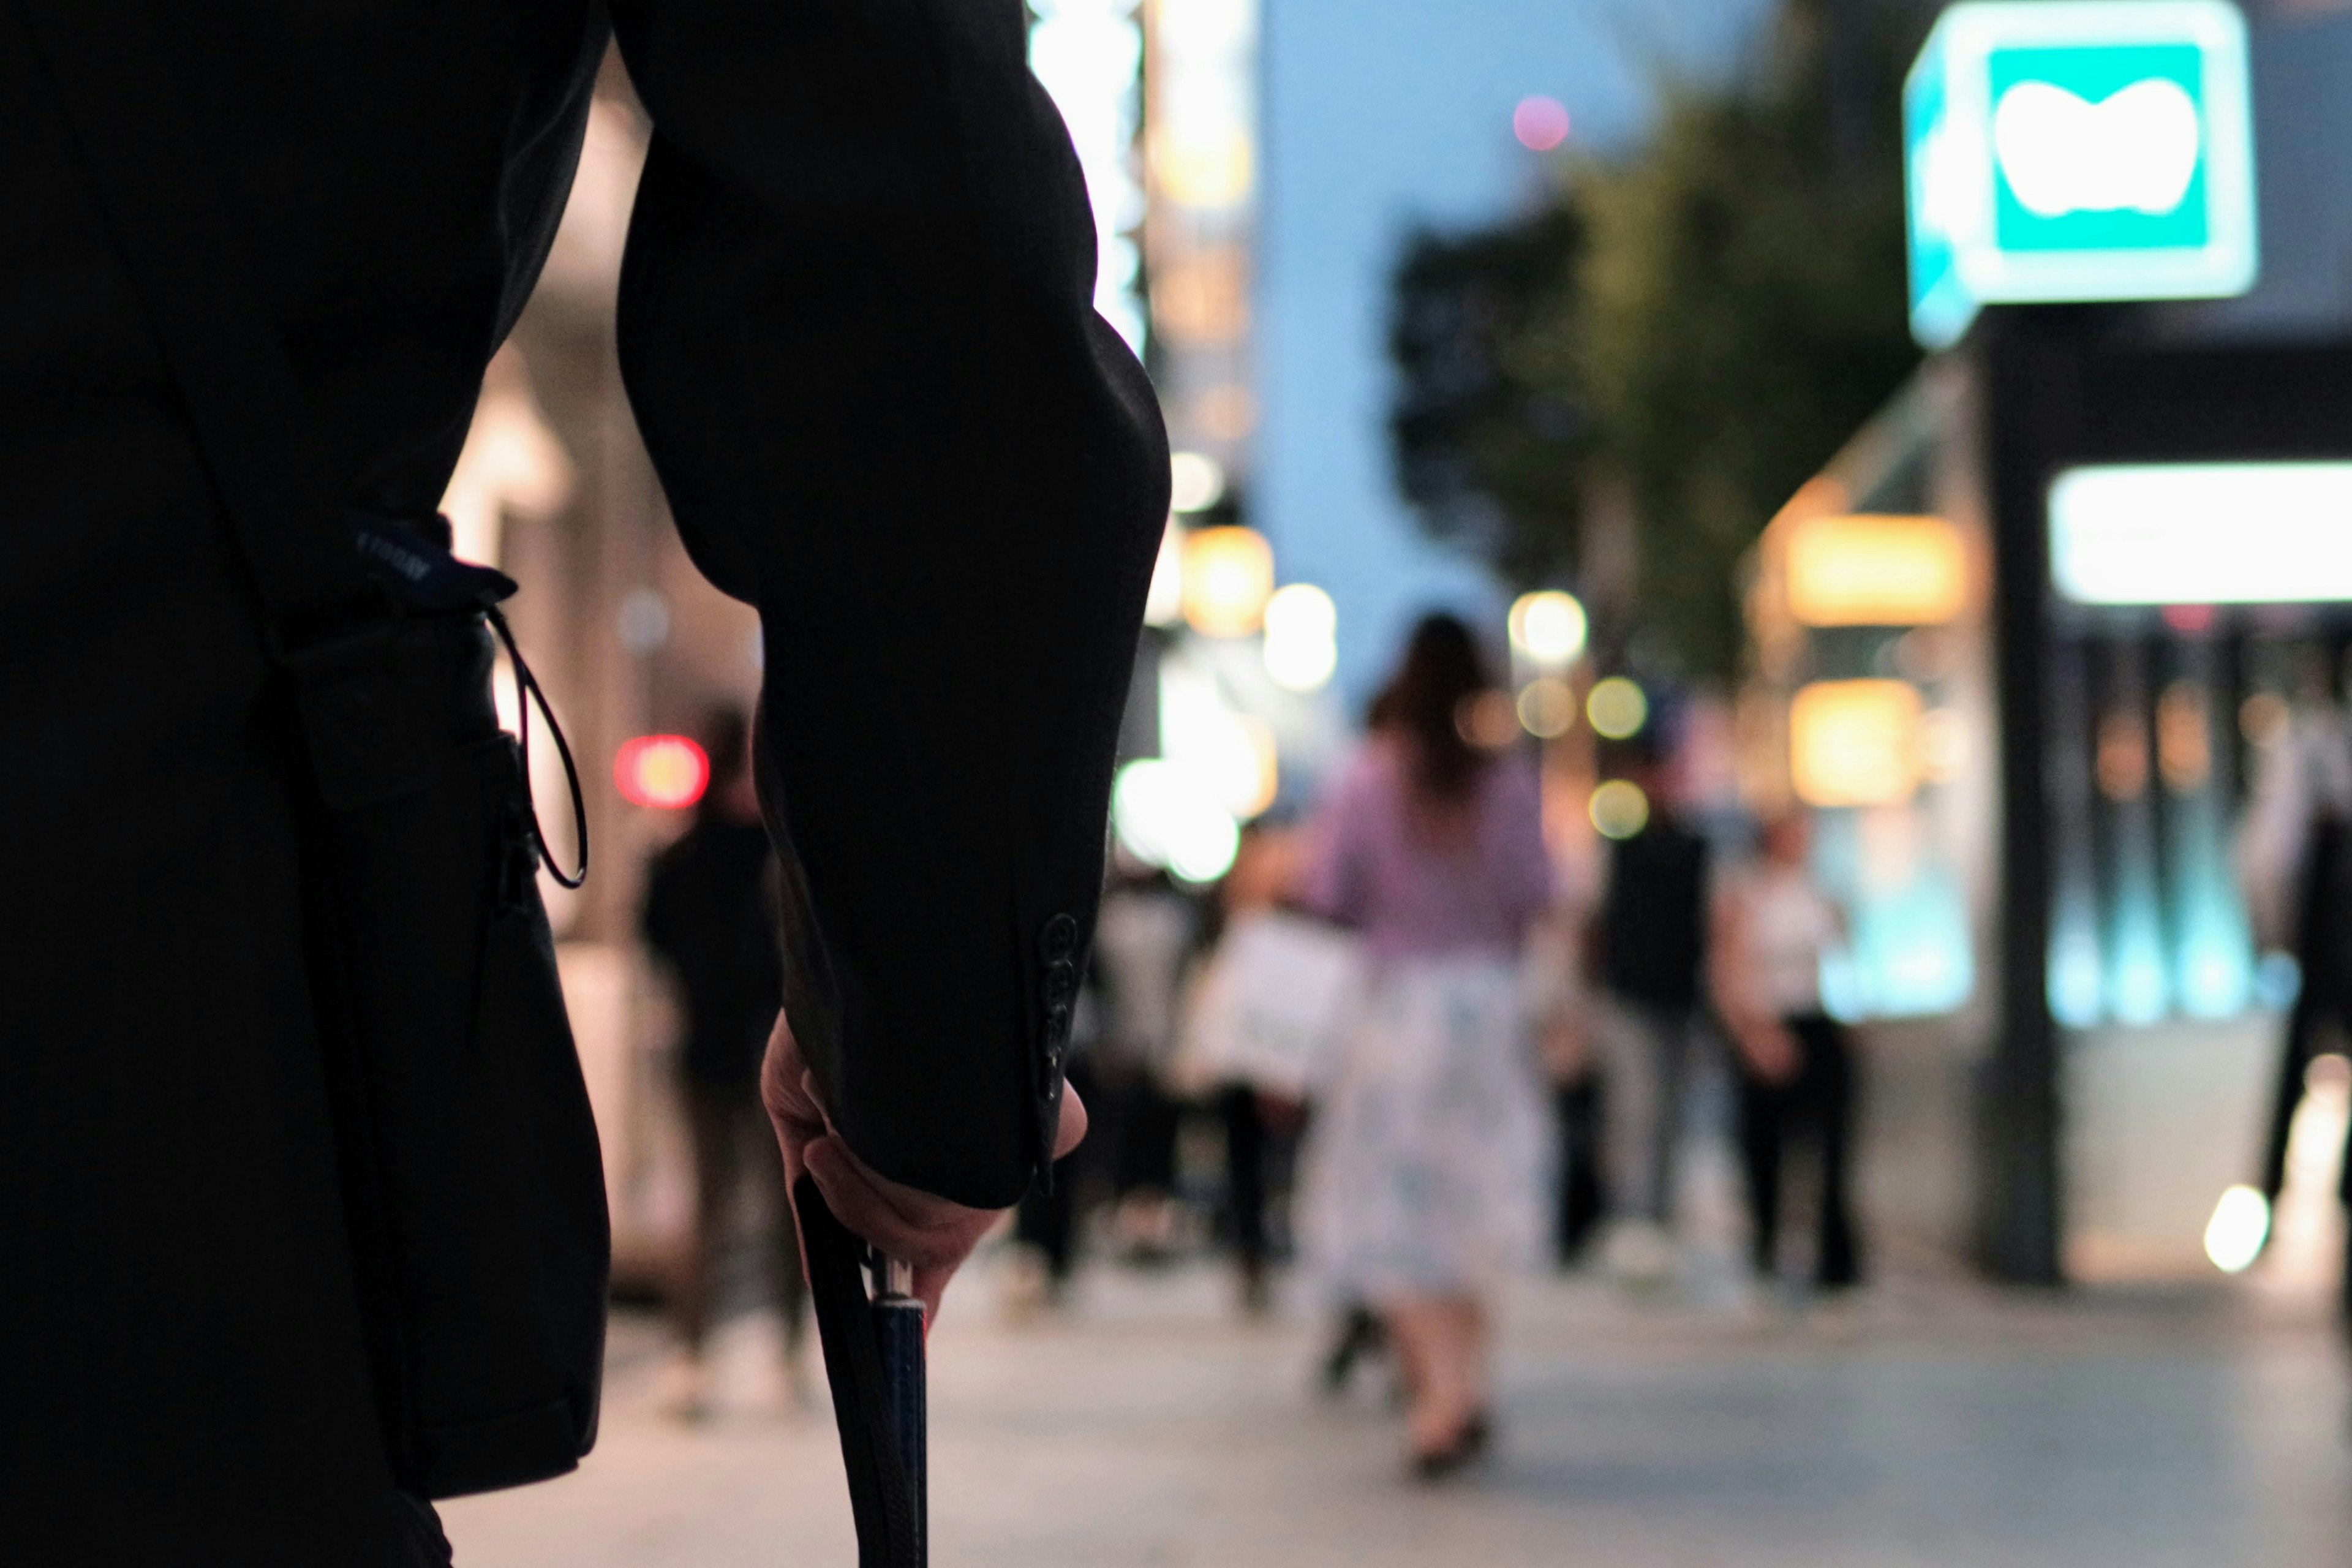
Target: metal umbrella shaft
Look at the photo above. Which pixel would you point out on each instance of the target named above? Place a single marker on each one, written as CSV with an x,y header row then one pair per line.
x,y
899,1336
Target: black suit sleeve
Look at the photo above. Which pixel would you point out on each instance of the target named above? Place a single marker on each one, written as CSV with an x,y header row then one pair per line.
x,y
857,331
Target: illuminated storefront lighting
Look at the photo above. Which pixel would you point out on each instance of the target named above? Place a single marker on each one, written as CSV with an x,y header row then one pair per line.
x,y
1854,742
2078,150
1202,153
1872,571
1088,55
2203,533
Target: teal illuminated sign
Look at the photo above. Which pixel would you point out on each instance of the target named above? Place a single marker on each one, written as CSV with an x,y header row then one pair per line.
x,y
2076,150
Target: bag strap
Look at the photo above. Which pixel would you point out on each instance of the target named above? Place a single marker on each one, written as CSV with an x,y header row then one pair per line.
x,y
162,202
881,1496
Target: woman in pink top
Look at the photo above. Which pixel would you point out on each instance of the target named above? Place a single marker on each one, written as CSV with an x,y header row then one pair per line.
x,y
1427,1166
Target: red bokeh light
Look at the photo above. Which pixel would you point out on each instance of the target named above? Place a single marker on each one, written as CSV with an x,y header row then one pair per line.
x,y
2191,619
1540,124
668,773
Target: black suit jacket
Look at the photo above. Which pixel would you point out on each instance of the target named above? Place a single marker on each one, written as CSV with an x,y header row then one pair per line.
x,y
855,328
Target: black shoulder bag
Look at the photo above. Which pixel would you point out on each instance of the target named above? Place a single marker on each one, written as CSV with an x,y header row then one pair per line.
x,y
472,1180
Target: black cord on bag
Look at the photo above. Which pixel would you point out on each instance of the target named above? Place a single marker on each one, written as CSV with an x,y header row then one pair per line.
x,y
527,691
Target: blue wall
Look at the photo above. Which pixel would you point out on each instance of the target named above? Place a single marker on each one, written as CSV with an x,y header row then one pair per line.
x,y
1378,113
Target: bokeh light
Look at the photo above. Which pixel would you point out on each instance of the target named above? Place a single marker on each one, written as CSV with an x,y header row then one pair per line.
x,y
2240,1224
643,620
1539,122
1196,481
1487,720
1163,606
1228,577
2265,719
668,772
1619,809
1617,708
1549,628
1164,817
1227,755
1547,706
1943,743
1302,646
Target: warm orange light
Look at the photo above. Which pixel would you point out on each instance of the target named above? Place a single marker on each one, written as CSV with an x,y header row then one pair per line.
x,y
1872,570
1854,742
666,771
1228,577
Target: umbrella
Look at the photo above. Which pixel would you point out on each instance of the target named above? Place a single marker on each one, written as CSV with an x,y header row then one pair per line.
x,y
873,1342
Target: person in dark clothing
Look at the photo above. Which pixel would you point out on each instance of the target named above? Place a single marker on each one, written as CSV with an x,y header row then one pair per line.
x,y
1580,1198
1241,1111
1817,1099
2322,1013
1250,1107
1649,940
1149,932
1797,1074
857,327
709,916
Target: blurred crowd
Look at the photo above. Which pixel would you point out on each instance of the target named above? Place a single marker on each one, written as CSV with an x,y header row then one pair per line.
x,y
1406,1045
1403,1045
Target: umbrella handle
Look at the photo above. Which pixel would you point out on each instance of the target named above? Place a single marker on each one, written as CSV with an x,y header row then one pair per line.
x,y
899,1336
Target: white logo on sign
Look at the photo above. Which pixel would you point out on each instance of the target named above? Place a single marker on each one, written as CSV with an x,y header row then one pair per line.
x,y
2134,151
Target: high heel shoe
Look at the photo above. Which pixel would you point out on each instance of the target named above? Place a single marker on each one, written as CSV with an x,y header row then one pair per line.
x,y
1471,1440
1432,1465
1359,1336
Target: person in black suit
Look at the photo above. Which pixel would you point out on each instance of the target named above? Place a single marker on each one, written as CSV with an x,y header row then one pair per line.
x,y
856,329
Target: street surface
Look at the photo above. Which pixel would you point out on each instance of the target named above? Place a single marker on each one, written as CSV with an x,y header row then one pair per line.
x,y
1939,1423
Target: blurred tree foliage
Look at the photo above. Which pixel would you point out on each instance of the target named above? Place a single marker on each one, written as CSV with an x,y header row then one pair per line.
x,y
1696,327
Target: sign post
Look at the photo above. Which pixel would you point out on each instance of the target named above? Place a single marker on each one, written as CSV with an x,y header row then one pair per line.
x,y
2077,150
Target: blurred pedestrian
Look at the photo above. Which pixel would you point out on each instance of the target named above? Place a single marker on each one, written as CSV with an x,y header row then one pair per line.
x,y
1650,942
1564,1027
1261,1010
1426,1160
1145,941
709,916
1773,927
2295,855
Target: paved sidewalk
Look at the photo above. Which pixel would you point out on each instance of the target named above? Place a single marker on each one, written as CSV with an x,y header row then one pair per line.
x,y
1938,1425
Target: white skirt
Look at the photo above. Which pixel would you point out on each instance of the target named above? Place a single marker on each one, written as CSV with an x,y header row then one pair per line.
x,y
1432,1152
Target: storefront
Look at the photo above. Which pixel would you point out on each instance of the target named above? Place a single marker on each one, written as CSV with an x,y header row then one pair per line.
x,y
2029,647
